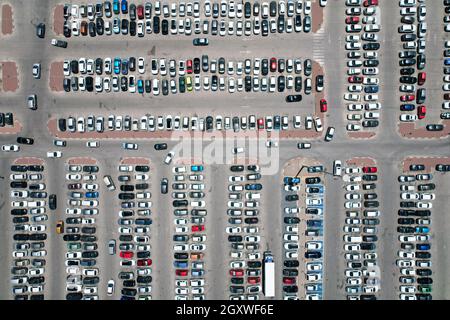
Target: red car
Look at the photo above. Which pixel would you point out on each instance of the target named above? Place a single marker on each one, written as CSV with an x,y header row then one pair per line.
x,y
355,79
407,97
140,12
421,112
368,3
144,262
261,124
351,20
323,105
126,254
422,77
189,66
370,169
182,273
198,228
253,280
237,272
273,65
288,280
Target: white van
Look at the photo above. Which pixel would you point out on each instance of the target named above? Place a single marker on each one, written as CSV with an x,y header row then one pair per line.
x,y
352,239
371,213
251,196
109,183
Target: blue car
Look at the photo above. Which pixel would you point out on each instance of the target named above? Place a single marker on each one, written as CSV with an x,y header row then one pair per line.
x,y
254,186
140,86
371,89
92,194
116,7
447,62
196,168
314,223
117,64
125,67
180,264
124,6
407,107
422,229
197,272
423,246
291,180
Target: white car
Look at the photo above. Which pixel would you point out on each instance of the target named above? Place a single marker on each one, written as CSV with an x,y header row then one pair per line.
x,y
10,147
54,154
169,157
141,65
92,144
129,146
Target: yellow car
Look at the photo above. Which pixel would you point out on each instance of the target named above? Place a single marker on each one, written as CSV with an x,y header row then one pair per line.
x,y
60,227
189,83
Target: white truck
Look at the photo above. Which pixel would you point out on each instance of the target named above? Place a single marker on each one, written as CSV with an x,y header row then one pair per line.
x,y
269,274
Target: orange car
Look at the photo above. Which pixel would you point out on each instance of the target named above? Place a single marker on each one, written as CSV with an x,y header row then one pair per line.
x,y
60,227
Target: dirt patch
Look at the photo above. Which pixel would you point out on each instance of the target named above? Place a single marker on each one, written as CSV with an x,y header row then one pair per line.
x,y
317,16
56,76
409,131
58,20
361,162
7,20
428,162
10,80
135,161
15,129
82,160
29,161
361,134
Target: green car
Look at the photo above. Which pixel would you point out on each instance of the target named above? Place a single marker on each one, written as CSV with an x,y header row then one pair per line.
x,y
425,289
74,245
182,84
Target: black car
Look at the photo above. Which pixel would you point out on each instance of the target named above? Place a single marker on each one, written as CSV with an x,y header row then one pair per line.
x,y
442,167
434,127
290,289
369,177
313,254
368,246
292,197
36,168
407,71
52,202
406,229
234,238
90,169
312,180
40,30
371,46
290,272
294,98
370,123
23,140
405,221
100,26
280,24
281,83
133,27
67,84
156,24
165,27
126,196
417,167
291,220
74,296
291,263
424,272
141,186
237,168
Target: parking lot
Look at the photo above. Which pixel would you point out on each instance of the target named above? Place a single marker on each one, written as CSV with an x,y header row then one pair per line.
x,y
133,221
